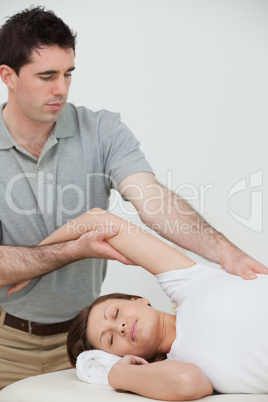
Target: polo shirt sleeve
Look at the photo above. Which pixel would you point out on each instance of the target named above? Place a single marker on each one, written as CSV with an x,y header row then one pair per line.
x,y
120,150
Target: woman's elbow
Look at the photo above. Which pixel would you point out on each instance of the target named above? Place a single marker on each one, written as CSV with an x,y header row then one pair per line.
x,y
193,384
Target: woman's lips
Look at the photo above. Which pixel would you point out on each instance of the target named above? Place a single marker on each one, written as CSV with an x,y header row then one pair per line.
x,y
133,330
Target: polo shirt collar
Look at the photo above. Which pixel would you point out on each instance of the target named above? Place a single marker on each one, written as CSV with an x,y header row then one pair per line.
x,y
65,125
63,128
6,141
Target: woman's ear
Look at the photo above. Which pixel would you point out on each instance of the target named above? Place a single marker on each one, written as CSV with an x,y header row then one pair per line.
x,y
141,300
7,75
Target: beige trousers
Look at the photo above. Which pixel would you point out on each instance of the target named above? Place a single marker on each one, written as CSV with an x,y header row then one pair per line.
x,y
23,355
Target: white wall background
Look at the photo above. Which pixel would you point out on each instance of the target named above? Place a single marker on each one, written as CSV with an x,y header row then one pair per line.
x,y
189,77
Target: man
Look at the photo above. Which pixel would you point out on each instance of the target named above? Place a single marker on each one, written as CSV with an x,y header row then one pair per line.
x,y
57,161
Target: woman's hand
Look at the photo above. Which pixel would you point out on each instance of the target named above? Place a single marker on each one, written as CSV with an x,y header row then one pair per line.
x,y
17,287
130,359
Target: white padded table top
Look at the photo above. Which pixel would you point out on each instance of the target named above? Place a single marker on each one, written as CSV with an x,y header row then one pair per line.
x,y
64,386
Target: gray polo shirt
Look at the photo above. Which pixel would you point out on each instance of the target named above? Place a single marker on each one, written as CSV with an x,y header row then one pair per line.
x,y
87,154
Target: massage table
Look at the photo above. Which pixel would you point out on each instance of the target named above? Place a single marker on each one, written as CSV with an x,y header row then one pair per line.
x,y
64,386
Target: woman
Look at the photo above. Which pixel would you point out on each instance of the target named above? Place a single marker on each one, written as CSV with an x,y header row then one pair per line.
x,y
218,338
127,326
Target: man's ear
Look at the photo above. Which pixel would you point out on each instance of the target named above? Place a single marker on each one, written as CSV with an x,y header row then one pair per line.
x,y
141,300
7,75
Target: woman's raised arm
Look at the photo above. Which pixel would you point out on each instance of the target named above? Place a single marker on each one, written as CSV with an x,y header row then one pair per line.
x,y
135,243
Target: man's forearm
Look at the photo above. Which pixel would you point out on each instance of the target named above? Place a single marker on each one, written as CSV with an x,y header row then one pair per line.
x,y
19,264
172,217
180,223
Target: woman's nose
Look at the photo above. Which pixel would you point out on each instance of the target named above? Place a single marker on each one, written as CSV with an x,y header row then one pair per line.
x,y
122,328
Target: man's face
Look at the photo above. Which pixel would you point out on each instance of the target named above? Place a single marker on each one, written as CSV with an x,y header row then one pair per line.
x,y
41,88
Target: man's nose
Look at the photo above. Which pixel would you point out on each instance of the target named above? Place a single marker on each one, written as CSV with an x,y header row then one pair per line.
x,y
60,87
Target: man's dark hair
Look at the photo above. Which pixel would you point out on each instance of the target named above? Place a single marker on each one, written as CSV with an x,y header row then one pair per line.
x,y
31,29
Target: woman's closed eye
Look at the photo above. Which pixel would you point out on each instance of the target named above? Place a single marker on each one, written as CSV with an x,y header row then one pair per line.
x,y
112,337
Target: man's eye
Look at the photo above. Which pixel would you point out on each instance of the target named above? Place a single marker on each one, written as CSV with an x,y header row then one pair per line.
x,y
112,339
116,314
46,78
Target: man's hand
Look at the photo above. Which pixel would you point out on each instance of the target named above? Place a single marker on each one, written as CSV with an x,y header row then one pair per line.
x,y
90,245
239,263
94,245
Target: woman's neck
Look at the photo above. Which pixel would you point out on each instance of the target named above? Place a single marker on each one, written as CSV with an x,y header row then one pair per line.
x,y
169,334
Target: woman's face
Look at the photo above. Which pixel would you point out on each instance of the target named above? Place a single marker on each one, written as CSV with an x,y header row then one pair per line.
x,y
125,327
